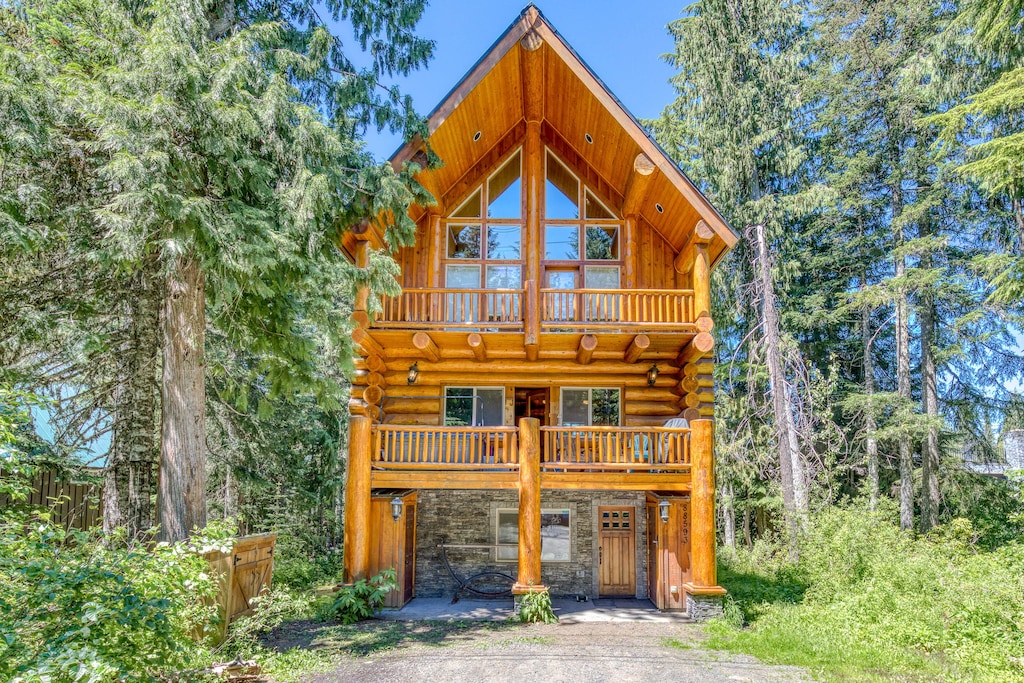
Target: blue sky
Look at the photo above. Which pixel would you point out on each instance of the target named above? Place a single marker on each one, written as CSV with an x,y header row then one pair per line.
x,y
622,43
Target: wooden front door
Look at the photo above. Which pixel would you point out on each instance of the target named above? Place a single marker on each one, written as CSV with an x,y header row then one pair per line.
x,y
616,551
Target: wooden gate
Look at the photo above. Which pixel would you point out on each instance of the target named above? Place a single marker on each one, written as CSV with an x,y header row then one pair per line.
x,y
616,551
243,574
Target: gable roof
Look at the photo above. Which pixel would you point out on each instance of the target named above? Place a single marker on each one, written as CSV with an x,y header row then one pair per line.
x,y
483,118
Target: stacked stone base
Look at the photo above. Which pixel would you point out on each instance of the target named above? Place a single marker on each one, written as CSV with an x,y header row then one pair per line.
x,y
704,607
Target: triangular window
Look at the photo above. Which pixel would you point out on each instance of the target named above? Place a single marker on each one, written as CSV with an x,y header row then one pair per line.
x,y
561,191
504,191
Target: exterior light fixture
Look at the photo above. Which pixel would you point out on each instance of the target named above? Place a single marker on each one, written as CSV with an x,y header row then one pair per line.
x,y
414,373
396,508
663,507
652,375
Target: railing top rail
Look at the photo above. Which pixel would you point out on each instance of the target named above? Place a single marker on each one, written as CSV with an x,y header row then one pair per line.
x,y
429,428
625,430
456,290
685,292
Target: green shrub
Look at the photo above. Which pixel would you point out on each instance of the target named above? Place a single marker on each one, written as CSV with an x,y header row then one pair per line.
x,y
869,602
536,607
360,600
75,606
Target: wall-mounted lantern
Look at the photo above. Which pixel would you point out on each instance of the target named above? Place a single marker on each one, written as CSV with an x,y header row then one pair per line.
x,y
652,375
663,507
414,373
396,508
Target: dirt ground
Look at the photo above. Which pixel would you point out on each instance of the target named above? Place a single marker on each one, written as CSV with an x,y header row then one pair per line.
x,y
457,652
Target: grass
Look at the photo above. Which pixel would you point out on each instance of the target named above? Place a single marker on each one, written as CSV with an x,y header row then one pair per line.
x,y
868,603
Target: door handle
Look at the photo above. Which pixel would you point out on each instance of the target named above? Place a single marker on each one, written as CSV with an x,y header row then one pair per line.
x,y
600,555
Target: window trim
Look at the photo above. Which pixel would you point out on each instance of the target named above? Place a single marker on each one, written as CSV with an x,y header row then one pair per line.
x,y
590,402
475,388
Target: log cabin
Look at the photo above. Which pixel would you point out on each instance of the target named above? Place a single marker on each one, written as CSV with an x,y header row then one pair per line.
x,y
538,401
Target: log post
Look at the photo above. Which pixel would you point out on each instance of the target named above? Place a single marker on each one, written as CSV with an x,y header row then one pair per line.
x,y
532,323
357,499
702,535
701,282
362,257
529,507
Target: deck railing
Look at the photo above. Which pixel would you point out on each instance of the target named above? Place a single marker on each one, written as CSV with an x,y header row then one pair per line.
x,y
440,448
615,448
448,308
633,449
595,308
559,309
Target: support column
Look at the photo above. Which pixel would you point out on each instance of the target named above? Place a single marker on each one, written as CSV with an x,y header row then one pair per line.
x,y
701,282
362,258
529,507
357,500
702,518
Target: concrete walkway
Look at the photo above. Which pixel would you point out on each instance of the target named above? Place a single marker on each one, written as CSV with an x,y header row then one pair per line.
x,y
568,611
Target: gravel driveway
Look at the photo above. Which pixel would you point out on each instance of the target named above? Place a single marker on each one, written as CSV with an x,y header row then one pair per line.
x,y
458,652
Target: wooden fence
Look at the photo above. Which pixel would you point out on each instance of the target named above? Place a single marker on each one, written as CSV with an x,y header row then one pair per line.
x,y
75,504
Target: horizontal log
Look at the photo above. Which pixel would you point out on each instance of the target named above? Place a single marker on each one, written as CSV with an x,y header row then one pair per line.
x,y
691,400
528,379
426,345
698,368
417,406
636,348
705,323
376,364
696,348
418,390
375,379
476,344
651,408
360,407
508,365
691,414
585,353
646,393
412,419
367,343
688,385
373,395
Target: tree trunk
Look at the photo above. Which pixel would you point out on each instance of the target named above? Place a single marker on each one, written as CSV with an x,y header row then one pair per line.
x,y
747,538
794,488
729,514
903,370
129,478
929,403
870,425
182,497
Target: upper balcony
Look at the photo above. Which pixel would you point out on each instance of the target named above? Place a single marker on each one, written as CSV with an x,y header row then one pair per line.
x,y
555,310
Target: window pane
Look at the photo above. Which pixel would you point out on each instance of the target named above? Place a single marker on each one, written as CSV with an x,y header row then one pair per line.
x,y
602,277
490,407
561,191
594,208
503,242
606,406
561,243
575,408
504,277
603,242
470,208
504,191
458,407
463,241
508,533
461,306
463,277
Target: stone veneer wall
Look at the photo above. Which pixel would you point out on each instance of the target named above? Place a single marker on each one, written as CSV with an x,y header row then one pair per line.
x,y
469,517
704,607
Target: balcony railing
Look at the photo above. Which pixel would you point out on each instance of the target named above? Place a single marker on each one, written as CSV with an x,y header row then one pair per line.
x,y
559,310
615,448
445,448
453,308
621,449
616,308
